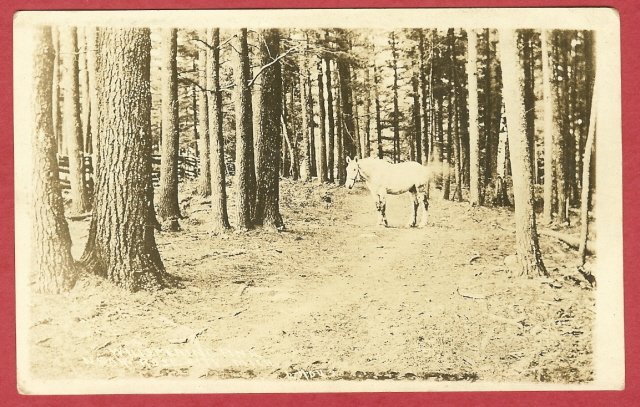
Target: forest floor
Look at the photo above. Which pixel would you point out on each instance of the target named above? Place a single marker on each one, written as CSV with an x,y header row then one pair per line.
x,y
333,297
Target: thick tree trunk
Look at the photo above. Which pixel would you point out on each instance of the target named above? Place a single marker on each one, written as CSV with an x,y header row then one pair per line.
x,y
322,157
561,116
474,134
350,142
51,262
168,208
219,216
330,121
203,130
121,245
72,124
453,110
269,142
245,171
527,247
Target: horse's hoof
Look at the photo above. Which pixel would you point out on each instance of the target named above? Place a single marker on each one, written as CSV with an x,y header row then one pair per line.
x,y
412,225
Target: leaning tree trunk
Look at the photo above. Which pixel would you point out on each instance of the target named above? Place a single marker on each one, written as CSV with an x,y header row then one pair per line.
x,y
474,136
322,157
51,261
219,215
269,142
71,122
121,245
527,247
168,207
245,171
204,189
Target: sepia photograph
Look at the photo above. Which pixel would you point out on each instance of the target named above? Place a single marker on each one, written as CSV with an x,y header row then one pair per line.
x,y
318,200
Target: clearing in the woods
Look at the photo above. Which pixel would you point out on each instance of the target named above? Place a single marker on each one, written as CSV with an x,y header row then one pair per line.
x,y
333,297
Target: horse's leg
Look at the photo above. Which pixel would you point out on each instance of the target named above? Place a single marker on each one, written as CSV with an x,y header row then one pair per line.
x,y
425,208
414,201
383,207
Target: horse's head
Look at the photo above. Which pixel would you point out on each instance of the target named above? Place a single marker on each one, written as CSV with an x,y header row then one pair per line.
x,y
353,171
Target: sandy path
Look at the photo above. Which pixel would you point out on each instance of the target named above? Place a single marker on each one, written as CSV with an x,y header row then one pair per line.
x,y
365,307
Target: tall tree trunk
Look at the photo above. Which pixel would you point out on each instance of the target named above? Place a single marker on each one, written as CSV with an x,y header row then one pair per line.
x,y
562,113
457,150
550,126
268,144
340,138
330,120
396,109
219,215
349,140
72,125
425,119
586,166
322,157
312,136
474,134
52,261
378,108
417,123
203,131
367,104
90,33
56,95
168,208
121,245
245,171
305,159
527,247
83,76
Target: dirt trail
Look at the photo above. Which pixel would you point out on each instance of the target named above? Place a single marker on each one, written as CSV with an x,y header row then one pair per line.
x,y
335,297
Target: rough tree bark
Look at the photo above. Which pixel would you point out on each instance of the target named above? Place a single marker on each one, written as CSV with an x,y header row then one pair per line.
x,y
474,135
204,132
367,104
71,120
340,136
245,171
52,263
425,119
269,142
528,251
121,245
219,215
168,207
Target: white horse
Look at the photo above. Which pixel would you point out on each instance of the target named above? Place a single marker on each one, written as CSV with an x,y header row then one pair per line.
x,y
383,177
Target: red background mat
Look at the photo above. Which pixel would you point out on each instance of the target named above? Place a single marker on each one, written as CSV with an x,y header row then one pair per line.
x,y
630,35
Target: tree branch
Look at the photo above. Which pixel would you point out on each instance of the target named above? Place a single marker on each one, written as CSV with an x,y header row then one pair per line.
x,y
278,58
